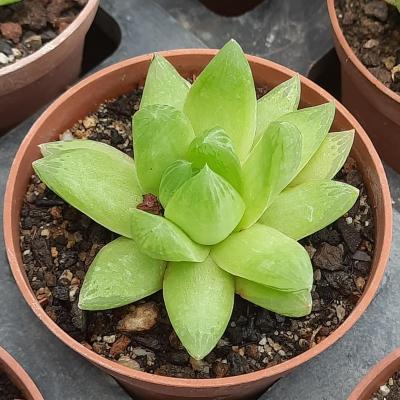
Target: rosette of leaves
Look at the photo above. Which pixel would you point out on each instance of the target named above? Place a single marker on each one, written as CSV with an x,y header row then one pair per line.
x,y
240,181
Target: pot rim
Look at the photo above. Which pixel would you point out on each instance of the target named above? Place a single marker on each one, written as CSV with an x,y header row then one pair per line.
x,y
129,373
18,375
352,56
53,44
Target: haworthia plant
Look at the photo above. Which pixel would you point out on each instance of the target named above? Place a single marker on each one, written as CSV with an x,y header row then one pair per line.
x,y
239,182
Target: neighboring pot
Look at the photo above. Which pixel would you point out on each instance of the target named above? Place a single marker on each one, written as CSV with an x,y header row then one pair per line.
x,y
231,8
84,98
376,377
375,106
34,80
18,376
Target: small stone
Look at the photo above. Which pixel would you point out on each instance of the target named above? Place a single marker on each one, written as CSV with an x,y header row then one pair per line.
x,y
89,122
389,62
263,341
4,59
45,233
109,339
349,220
385,390
340,312
142,318
369,44
119,345
377,9
16,53
73,292
220,369
360,283
66,277
99,347
11,31
33,42
317,275
391,382
7,49
329,257
128,362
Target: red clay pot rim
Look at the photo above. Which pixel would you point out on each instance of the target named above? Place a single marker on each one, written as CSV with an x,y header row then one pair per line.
x,y
11,367
352,56
373,374
210,382
50,46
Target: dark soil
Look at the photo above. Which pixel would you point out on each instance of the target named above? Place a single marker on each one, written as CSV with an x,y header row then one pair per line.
x,y
372,29
7,389
59,243
390,390
28,25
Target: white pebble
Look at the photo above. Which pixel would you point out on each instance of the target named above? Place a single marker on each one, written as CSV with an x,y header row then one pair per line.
x,y
349,220
3,59
384,390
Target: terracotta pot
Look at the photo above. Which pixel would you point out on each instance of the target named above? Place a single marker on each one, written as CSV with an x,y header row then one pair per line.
x,y
231,8
375,106
376,377
85,97
18,376
33,81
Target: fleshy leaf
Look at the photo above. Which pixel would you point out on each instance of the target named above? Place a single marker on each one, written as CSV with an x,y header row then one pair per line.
x,y
302,210
271,165
328,159
173,178
223,95
199,300
281,100
215,148
101,184
159,238
314,124
264,255
206,207
120,274
291,304
161,135
164,85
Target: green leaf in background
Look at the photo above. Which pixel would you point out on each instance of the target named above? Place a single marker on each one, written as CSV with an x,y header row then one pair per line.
x,y
215,148
314,124
120,274
159,238
264,255
281,100
161,135
6,2
395,3
271,165
328,159
224,95
101,184
173,178
291,304
164,85
199,300
206,207
302,210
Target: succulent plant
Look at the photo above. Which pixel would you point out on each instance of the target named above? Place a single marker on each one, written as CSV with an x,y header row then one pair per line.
x,y
239,181
7,2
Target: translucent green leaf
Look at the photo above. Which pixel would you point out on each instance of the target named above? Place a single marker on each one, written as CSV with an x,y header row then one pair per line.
x,y
328,159
302,210
395,3
281,100
223,95
264,255
101,184
199,300
164,85
215,148
206,207
173,178
161,135
159,238
5,2
120,274
271,165
314,124
291,304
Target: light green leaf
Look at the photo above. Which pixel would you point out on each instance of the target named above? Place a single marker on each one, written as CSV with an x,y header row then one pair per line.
x,y
173,178
302,210
206,207
103,185
159,238
395,3
6,2
120,274
161,135
215,148
271,165
164,85
264,255
290,304
328,159
314,124
281,100
223,95
199,300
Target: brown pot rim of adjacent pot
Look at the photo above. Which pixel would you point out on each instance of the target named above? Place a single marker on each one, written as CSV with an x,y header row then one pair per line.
x,y
18,376
53,44
352,56
377,376
277,370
